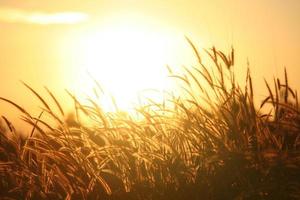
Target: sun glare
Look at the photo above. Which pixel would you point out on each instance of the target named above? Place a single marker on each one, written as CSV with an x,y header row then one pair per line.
x,y
127,61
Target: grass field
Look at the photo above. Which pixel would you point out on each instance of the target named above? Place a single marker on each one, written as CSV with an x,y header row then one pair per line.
x,y
214,142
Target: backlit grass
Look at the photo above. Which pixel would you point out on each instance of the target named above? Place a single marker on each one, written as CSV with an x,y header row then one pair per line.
x,y
213,142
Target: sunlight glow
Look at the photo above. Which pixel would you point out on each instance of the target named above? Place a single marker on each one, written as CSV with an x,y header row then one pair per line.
x,y
127,60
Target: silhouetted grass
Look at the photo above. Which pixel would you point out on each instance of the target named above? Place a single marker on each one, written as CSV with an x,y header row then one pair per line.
x,y
213,142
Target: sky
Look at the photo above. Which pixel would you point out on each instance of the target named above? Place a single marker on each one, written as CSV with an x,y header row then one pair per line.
x,y
44,43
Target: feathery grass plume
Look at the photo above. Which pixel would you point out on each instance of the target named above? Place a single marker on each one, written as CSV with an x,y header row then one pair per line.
x,y
211,143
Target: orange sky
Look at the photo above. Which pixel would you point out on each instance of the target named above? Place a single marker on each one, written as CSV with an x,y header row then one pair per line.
x,y
39,41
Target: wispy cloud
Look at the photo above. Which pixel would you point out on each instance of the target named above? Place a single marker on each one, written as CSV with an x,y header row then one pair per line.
x,y
12,15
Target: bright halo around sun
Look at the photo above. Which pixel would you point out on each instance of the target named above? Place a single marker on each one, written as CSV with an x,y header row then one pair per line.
x,y
129,62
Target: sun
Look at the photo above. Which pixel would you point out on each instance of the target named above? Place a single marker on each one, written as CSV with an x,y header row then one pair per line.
x,y
127,60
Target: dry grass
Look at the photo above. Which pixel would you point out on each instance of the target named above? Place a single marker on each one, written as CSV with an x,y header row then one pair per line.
x,y
215,143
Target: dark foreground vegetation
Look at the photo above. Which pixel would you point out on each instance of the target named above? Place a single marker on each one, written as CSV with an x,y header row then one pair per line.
x,y
214,142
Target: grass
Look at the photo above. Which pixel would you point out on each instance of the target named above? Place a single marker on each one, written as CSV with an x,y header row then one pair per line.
x,y
213,142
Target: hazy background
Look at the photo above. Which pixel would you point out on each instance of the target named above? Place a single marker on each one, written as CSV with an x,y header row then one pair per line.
x,y
41,52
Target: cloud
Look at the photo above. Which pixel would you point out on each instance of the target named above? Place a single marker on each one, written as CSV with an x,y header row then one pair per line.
x,y
11,15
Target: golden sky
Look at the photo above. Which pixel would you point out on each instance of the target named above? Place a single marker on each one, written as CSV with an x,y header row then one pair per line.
x,y
49,43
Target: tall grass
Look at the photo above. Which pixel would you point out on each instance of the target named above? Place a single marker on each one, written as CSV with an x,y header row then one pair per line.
x,y
214,142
